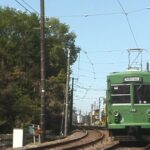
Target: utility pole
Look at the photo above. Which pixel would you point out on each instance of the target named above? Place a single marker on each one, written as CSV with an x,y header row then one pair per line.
x,y
91,121
67,94
42,34
71,103
99,106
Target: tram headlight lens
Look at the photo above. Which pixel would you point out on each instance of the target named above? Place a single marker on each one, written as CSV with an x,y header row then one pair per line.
x,y
116,113
117,116
148,113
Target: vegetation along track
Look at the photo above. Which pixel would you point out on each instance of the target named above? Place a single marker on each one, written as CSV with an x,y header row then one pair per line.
x,y
79,139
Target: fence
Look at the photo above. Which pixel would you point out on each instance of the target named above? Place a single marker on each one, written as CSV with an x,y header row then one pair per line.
x,y
6,140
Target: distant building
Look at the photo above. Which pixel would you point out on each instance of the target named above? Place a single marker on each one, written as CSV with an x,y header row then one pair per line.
x,y
98,113
80,119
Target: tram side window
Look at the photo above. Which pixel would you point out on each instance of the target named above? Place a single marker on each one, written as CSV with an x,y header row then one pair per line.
x,y
120,93
142,94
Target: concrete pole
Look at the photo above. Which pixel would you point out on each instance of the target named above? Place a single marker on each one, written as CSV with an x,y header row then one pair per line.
x,y
42,33
67,95
71,104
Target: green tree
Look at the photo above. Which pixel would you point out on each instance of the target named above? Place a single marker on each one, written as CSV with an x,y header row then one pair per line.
x,y
58,41
20,68
19,65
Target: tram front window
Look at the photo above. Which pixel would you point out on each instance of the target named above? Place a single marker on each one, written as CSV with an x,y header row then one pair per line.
x,y
120,93
142,94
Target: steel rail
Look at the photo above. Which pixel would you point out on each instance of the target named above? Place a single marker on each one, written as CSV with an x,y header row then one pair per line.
x,y
86,139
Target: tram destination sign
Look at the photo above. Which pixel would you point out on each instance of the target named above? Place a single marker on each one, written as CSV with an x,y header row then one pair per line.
x,y
132,79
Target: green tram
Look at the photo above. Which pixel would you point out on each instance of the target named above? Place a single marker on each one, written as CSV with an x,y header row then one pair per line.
x,y
128,105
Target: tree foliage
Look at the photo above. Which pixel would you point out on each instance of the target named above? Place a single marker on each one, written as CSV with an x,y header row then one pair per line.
x,y
20,68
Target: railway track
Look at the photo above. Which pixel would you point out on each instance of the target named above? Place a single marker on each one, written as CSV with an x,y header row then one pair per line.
x,y
78,140
129,146
88,140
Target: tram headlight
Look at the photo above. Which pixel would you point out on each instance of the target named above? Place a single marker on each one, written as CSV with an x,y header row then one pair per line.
x,y
117,116
148,113
116,113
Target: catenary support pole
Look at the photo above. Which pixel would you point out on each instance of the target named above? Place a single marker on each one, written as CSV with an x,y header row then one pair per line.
x,y
67,94
42,34
71,104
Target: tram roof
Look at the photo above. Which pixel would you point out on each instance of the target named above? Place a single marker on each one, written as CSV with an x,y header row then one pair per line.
x,y
130,72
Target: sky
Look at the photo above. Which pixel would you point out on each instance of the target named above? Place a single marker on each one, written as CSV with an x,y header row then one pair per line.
x,y
105,30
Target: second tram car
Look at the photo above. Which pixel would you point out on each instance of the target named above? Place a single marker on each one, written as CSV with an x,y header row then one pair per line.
x,y
128,105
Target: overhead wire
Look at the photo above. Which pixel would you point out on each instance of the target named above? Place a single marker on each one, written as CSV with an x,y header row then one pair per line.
x,y
82,87
90,63
86,76
100,14
92,15
113,51
126,15
23,6
93,72
30,7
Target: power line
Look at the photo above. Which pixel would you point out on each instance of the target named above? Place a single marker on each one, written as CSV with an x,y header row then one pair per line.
x,y
92,15
101,14
93,72
106,51
126,15
104,63
85,88
85,76
83,70
90,63
23,6
30,7
112,51
110,63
